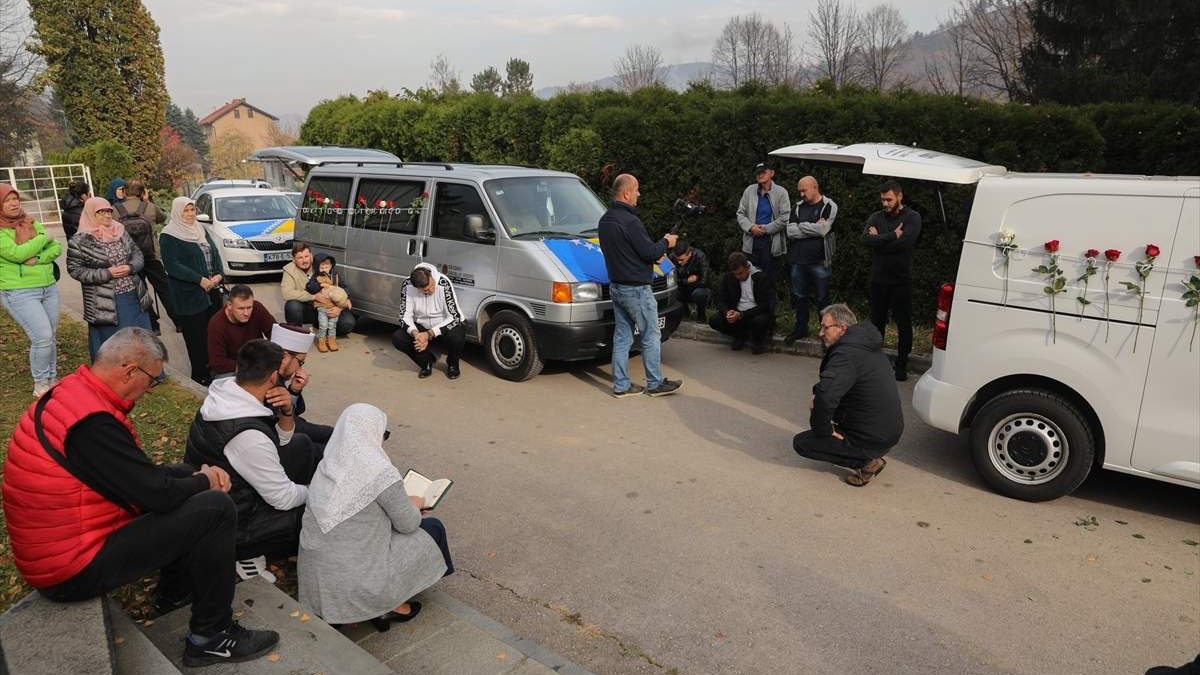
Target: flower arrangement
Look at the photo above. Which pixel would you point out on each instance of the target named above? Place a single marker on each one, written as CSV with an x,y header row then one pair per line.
x,y
1006,242
1143,268
1056,283
1110,257
1089,271
1191,295
417,205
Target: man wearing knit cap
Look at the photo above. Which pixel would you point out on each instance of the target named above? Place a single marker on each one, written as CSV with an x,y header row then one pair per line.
x,y
296,341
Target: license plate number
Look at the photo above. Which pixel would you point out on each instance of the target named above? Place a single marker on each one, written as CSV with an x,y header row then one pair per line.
x,y
276,257
662,323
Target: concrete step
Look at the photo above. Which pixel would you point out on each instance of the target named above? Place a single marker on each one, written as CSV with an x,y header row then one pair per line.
x,y
135,654
305,646
40,637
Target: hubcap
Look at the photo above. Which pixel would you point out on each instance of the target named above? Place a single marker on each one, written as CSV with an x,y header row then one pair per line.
x,y
507,347
1028,448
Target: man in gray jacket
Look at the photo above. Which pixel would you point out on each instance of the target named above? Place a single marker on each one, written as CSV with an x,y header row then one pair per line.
x,y
763,215
810,253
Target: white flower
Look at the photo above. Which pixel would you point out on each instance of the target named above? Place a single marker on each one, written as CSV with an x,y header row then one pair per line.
x,y
1006,237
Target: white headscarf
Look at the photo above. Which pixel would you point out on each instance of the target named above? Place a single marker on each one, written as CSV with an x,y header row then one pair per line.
x,y
355,469
177,228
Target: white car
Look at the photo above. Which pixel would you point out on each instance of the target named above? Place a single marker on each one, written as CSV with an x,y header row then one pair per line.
x,y
252,227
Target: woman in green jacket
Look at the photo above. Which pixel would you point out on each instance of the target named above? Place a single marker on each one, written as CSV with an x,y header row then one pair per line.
x,y
27,284
194,274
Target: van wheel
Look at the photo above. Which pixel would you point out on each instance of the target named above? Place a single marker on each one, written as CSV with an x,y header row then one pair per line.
x,y
1032,445
511,349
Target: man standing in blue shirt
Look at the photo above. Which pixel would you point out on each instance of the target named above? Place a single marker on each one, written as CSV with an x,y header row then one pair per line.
x,y
629,256
763,215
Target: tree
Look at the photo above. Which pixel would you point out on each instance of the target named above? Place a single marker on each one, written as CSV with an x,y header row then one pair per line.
x,y
281,134
639,67
999,31
17,67
227,156
752,49
837,33
951,71
487,80
884,32
176,162
106,65
518,79
443,78
185,123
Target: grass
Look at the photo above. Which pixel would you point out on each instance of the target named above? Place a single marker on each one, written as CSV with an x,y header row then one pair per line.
x,y
922,335
161,418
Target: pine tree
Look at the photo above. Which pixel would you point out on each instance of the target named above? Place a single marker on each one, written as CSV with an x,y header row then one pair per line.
x,y
518,79
487,80
106,64
188,126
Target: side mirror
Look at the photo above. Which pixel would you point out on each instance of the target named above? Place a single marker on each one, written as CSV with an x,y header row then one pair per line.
x,y
204,217
474,228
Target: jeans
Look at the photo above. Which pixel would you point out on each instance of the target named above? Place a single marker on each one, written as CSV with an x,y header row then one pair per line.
x,y
635,305
129,315
760,255
809,280
300,313
325,328
36,311
896,299
832,450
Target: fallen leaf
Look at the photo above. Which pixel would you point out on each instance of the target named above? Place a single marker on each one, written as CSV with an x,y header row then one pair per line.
x,y
921,523
1091,558
295,613
1139,536
272,657
118,640
987,577
1122,522
1189,542
305,617
491,554
1188,572
1028,541
718,635
1029,598
501,656
239,613
148,622
1145,581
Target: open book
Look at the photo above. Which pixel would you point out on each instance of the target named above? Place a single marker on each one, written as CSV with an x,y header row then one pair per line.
x,y
417,485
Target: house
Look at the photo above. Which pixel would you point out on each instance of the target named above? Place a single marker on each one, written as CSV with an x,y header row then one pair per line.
x,y
257,125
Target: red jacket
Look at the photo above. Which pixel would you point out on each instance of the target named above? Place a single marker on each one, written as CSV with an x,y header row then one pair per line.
x,y
56,524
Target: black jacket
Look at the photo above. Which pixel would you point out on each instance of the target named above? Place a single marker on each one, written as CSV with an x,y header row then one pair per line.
x,y
72,208
314,285
697,264
731,292
857,391
629,253
891,257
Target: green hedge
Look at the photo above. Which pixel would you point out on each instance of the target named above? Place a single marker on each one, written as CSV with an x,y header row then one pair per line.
x,y
713,138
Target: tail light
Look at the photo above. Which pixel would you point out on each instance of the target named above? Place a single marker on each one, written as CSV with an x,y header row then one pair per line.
x,y
941,323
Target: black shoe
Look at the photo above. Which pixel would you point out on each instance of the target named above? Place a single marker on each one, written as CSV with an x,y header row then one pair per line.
x,y
738,344
426,371
758,349
701,317
795,335
384,623
232,645
665,388
164,606
453,372
633,390
901,375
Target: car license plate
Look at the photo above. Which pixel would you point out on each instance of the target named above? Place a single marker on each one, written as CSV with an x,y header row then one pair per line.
x,y
276,257
662,323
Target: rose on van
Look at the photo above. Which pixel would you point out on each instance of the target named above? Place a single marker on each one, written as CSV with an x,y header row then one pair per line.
x,y
1110,257
1143,268
1089,271
1051,246
1152,250
1191,297
1056,284
1112,254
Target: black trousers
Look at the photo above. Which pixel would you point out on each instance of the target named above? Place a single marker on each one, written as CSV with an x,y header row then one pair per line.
x,y
269,531
756,323
156,275
192,546
453,341
195,337
894,299
434,528
833,450
300,313
694,295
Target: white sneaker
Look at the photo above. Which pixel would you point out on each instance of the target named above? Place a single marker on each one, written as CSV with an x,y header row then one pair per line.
x,y
40,388
254,567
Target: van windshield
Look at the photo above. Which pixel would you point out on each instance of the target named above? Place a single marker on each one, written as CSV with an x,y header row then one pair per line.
x,y
545,206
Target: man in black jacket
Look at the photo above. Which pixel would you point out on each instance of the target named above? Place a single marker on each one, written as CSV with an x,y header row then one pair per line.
x,y
856,416
691,268
891,234
746,305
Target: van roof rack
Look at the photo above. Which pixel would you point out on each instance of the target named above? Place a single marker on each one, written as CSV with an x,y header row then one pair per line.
x,y
362,162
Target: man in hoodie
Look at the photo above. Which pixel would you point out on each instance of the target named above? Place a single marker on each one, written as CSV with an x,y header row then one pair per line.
x,y
856,416
745,306
246,426
429,314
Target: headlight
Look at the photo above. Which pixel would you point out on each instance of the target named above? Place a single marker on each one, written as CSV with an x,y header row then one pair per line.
x,y
671,282
236,243
587,292
581,291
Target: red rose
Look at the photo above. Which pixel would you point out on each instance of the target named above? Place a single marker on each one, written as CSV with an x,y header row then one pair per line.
x,y
1051,246
424,194
391,204
1196,259
1112,254
1152,250
1092,253
337,204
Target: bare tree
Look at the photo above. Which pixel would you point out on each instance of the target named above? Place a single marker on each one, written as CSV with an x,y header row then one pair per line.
x,y
835,30
443,78
639,67
952,70
752,49
17,64
884,32
1000,31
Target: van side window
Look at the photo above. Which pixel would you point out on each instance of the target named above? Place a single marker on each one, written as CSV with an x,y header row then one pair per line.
x,y
326,200
453,203
389,205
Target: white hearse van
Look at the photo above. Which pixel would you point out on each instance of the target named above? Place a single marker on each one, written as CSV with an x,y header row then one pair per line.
x,y
1046,397
520,245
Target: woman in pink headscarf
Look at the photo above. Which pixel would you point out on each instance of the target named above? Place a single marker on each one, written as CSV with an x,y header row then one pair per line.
x,y
104,259
27,284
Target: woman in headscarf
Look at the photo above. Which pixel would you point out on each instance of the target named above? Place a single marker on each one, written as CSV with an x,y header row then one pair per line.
x,y
365,550
104,260
27,284
194,276
116,190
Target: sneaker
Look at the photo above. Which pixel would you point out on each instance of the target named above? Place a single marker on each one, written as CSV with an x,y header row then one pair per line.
x,y
633,390
40,388
232,645
665,388
901,375
254,567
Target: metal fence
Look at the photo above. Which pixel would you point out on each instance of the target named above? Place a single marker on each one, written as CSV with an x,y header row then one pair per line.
x,y
42,186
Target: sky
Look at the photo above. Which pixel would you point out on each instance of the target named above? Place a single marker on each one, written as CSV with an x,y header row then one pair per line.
x,y
285,56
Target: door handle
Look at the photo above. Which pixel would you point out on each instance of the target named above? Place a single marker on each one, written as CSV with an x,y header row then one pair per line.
x,y
411,247
424,248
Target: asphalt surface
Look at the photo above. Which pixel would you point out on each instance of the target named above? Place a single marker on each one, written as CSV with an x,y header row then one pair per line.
x,y
682,534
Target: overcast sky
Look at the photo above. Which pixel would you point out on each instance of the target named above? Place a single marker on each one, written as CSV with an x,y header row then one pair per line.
x,y
285,56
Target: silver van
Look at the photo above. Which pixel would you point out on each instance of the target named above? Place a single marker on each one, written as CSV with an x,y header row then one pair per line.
x,y
520,244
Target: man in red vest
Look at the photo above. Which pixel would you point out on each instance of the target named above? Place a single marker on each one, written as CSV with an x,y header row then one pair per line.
x,y
88,512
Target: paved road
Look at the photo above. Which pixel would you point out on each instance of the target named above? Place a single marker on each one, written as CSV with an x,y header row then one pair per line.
x,y
645,535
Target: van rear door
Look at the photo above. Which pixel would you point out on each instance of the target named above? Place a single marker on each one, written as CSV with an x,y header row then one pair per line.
x,y
898,161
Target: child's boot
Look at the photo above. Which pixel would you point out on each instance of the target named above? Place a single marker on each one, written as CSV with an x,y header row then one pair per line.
x,y
322,345
332,343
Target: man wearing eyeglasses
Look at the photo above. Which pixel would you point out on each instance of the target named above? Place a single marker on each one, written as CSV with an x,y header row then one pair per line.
x,y
87,511
856,417
296,342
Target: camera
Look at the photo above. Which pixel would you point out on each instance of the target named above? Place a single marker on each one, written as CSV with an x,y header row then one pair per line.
x,y
686,208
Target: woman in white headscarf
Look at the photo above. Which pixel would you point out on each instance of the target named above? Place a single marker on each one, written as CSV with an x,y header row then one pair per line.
x,y
365,549
193,274
104,260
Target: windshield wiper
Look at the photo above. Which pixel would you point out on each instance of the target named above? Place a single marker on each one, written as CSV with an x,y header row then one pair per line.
x,y
549,234
590,230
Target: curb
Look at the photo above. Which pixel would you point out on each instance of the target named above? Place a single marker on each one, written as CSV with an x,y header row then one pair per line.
x,y
691,330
